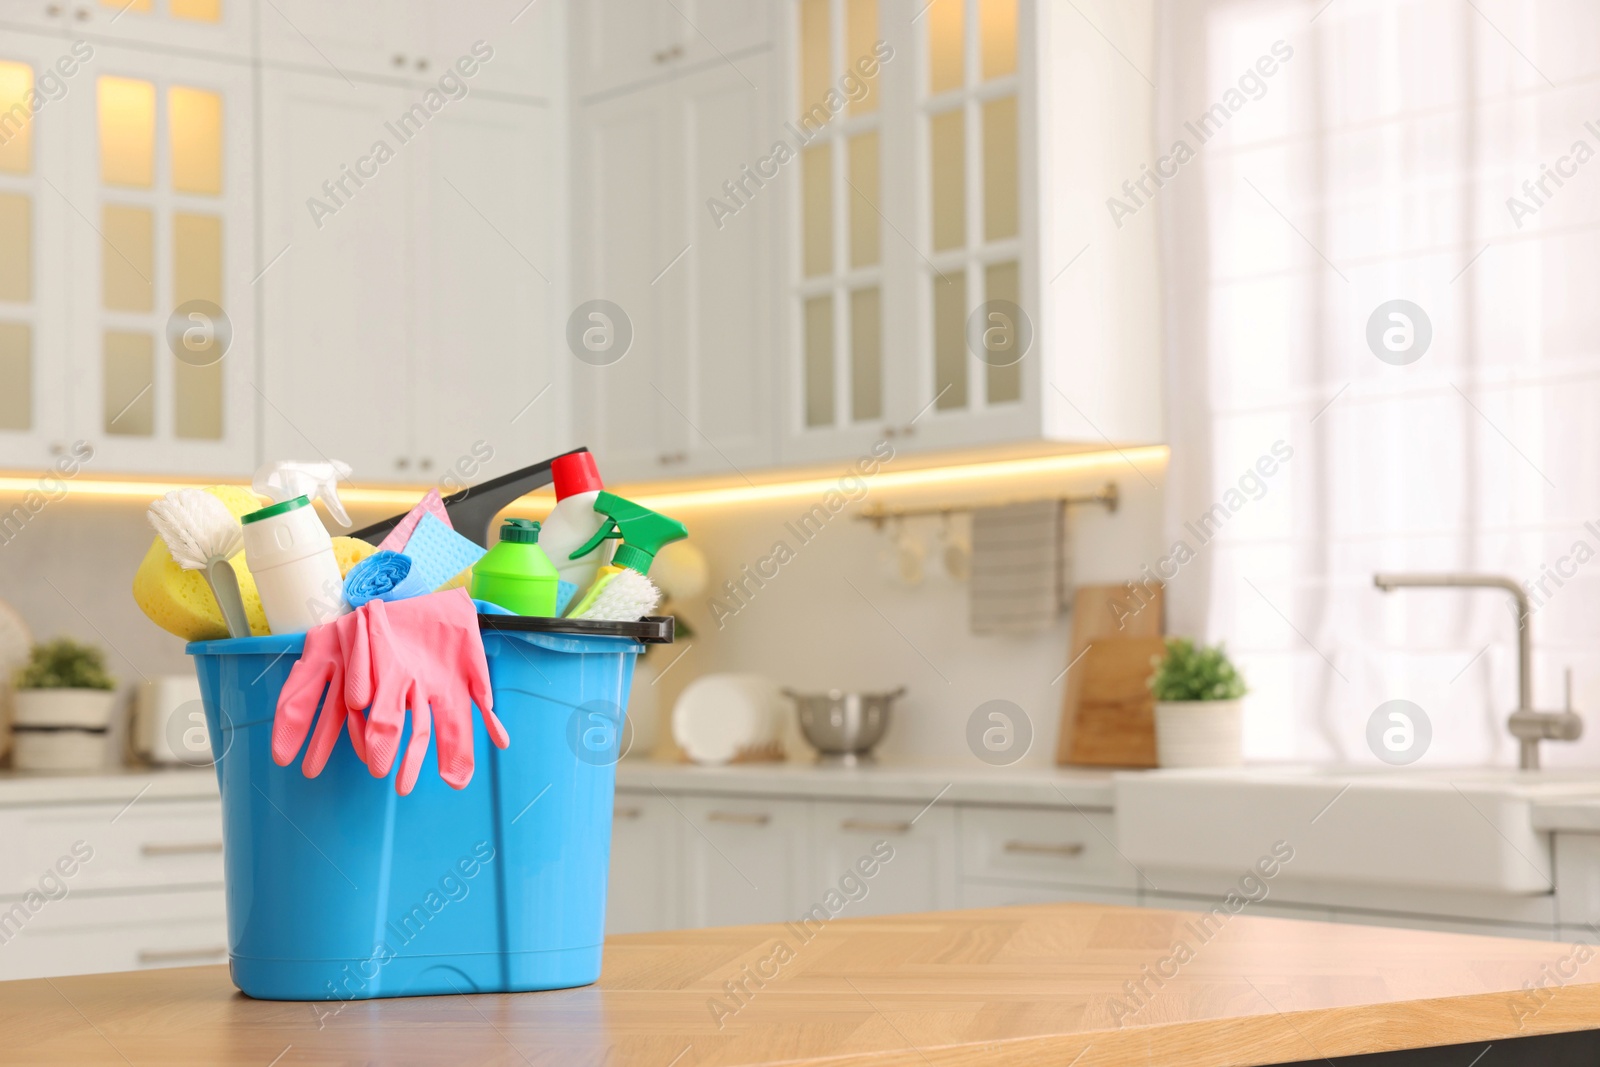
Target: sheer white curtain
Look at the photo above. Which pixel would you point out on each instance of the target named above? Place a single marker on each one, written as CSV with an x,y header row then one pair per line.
x,y
1375,164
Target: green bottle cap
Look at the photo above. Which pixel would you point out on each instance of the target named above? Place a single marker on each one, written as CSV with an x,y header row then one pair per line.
x,y
520,532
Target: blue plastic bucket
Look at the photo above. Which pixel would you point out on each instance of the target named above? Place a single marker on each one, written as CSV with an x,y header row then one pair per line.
x,y
338,889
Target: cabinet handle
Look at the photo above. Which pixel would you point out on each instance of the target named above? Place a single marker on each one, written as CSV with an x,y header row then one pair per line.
x,y
425,463
399,60
744,818
151,955
1034,848
667,55
53,10
82,14
876,826
626,813
402,463
57,448
422,64
666,459
186,848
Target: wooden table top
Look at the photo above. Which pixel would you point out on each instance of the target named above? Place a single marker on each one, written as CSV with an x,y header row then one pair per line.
x,y
1014,986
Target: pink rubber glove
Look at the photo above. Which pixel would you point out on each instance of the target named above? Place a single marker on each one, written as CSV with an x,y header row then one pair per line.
x,y
427,655
336,658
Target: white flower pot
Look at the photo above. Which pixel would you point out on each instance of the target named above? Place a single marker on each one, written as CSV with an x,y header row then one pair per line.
x,y
88,709
1199,733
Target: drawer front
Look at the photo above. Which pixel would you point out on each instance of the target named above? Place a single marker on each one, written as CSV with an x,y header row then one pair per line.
x,y
879,858
1043,845
111,846
130,932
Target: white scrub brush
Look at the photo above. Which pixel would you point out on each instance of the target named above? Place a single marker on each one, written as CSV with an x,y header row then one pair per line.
x,y
202,535
626,596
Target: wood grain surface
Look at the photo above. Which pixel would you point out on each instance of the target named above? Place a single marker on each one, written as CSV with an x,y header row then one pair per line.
x,y
1016,986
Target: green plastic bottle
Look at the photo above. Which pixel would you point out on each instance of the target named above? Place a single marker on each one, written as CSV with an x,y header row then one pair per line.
x,y
516,574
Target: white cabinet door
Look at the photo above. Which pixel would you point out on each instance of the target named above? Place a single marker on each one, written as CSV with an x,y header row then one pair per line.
x,y
617,43
745,860
896,858
622,200
162,247
35,221
645,890
335,257
525,42
488,378
693,393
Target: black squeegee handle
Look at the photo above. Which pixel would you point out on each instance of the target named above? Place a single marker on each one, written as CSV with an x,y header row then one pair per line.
x,y
472,511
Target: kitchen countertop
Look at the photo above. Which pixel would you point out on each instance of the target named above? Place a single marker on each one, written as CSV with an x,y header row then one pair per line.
x,y
1058,787
1015,986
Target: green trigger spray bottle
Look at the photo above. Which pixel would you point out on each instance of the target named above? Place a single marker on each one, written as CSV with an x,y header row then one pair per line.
x,y
621,592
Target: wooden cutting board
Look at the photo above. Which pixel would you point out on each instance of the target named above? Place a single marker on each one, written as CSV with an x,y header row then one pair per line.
x,y
1100,613
1116,719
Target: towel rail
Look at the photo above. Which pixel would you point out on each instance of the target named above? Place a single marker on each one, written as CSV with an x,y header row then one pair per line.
x,y
1108,498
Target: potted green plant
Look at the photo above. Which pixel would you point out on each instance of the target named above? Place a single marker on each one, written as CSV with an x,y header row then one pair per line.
x,y
1198,692
65,684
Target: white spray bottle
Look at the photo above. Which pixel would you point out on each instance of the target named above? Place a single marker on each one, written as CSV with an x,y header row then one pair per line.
x,y
288,549
573,521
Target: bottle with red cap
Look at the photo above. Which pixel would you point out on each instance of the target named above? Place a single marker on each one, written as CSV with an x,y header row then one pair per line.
x,y
574,521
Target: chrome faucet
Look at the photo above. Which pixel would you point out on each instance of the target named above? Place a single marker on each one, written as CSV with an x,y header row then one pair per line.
x,y
1528,726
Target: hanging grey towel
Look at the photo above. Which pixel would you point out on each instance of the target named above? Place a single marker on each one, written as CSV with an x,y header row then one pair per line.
x,y
1018,567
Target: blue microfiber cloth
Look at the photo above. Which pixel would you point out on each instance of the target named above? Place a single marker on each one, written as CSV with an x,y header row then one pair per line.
x,y
565,591
438,554
385,576
486,608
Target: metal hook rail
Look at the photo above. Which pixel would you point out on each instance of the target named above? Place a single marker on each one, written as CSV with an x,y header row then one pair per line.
x,y
1109,498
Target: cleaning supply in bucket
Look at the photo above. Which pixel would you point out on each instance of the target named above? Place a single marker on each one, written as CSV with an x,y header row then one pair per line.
x,y
430,504
643,534
202,535
337,658
438,554
516,573
288,479
571,524
427,655
297,574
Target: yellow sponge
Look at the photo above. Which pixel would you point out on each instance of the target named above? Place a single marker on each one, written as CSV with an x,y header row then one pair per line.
x,y
181,603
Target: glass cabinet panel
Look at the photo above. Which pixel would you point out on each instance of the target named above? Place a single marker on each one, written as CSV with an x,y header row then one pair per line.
x,y
997,21
866,354
196,10
194,120
16,134
128,257
946,66
129,374
950,340
16,249
814,53
1001,281
947,139
861,34
127,132
817,178
864,229
1000,168
16,372
819,360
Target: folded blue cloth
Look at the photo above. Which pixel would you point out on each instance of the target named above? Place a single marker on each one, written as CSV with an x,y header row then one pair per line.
x,y
385,576
565,591
438,553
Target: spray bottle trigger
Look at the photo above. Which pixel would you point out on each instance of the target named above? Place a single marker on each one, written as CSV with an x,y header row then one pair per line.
x,y
608,529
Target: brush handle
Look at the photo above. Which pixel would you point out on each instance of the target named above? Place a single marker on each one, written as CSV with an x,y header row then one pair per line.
x,y
224,585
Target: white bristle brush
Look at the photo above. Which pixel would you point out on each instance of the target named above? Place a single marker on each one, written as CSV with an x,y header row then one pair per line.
x,y
627,596
202,535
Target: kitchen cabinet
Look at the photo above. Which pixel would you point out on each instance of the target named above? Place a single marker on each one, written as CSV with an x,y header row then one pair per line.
x,y
126,319
114,885
616,43
920,843
407,310
678,383
419,41
644,888
744,861
201,27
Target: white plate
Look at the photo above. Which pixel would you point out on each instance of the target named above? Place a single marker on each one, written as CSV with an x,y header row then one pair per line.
x,y
719,716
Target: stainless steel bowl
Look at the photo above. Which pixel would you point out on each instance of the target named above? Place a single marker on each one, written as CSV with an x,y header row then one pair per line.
x,y
842,726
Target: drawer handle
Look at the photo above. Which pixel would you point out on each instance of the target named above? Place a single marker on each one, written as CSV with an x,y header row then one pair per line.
x,y
188,848
150,955
1035,848
876,826
626,813
743,818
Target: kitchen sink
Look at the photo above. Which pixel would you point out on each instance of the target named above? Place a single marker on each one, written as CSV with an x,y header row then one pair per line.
x,y
1465,829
